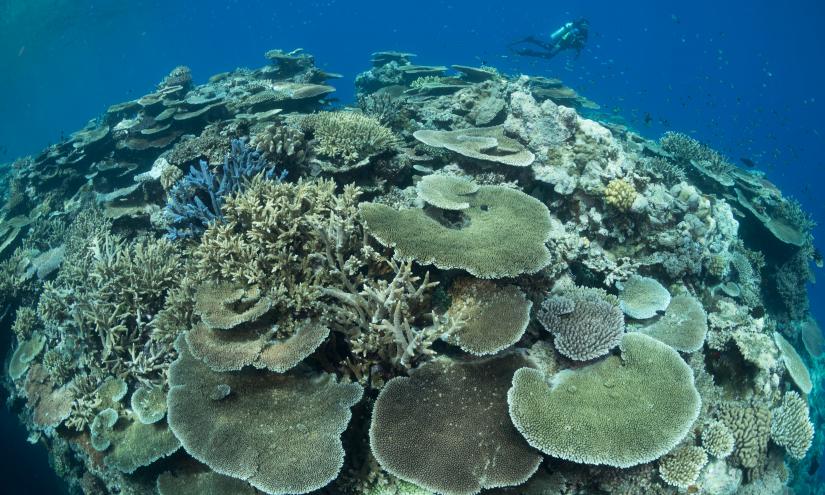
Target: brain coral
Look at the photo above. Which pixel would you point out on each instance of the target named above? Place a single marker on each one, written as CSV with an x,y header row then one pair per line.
x,y
791,425
717,439
445,427
794,364
683,326
642,297
750,426
681,468
279,432
586,322
486,318
446,191
503,236
648,392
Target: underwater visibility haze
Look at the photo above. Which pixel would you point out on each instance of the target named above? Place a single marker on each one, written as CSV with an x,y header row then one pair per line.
x,y
441,247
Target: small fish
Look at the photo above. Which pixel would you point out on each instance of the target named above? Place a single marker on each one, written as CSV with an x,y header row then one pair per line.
x,y
748,162
21,51
648,118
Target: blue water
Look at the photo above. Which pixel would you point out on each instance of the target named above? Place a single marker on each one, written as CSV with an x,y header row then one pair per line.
x,y
746,77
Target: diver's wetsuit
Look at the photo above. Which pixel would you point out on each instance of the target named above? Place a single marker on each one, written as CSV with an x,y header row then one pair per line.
x,y
571,36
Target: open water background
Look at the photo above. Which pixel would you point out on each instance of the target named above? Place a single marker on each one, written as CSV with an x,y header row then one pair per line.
x,y
746,77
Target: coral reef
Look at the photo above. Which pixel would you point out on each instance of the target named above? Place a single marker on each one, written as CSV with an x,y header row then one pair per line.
x,y
448,411
471,282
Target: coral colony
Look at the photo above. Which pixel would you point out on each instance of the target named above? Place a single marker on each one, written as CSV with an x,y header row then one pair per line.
x,y
460,285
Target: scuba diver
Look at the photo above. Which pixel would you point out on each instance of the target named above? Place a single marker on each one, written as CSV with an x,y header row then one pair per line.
x,y
571,36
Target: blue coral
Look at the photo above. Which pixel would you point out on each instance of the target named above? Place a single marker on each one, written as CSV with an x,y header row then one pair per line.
x,y
196,200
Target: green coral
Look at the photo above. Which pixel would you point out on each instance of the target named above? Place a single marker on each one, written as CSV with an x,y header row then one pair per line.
x,y
620,194
139,445
447,192
791,425
681,468
149,404
751,427
25,354
446,428
643,297
348,136
503,234
294,446
648,392
484,318
717,439
683,326
586,322
794,364
203,483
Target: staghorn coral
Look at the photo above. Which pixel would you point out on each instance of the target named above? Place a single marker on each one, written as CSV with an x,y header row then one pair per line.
x,y
484,318
349,136
503,236
586,322
196,201
447,412
296,447
620,194
681,468
791,425
649,392
25,323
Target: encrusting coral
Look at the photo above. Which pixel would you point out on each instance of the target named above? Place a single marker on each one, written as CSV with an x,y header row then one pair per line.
x,y
472,282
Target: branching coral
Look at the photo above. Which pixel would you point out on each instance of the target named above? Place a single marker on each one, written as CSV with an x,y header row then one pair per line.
x,y
791,425
682,467
620,194
751,427
586,322
349,136
196,200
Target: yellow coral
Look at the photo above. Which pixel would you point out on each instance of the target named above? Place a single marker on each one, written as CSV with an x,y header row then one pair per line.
x,y
620,194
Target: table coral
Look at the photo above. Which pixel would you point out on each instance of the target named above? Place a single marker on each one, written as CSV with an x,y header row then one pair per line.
x,y
649,392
